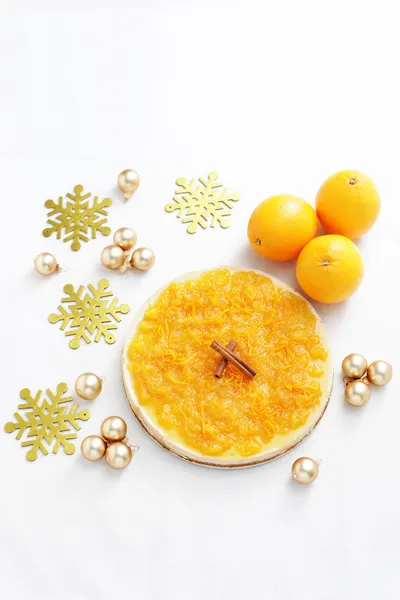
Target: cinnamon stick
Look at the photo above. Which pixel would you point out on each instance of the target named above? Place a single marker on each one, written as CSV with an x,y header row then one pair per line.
x,y
235,360
224,361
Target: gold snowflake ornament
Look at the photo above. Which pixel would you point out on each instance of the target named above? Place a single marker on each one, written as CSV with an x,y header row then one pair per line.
x,y
93,313
48,420
202,202
76,217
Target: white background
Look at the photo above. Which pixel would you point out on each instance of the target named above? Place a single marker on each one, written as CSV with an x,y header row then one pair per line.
x,y
274,95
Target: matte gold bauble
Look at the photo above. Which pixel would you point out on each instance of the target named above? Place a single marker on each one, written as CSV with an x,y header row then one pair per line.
x,y
125,238
143,259
354,366
113,429
88,386
93,448
46,264
305,470
357,393
113,257
118,455
379,372
128,182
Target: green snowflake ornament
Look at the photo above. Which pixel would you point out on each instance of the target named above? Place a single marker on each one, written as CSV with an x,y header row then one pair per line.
x,y
93,313
74,219
202,203
48,420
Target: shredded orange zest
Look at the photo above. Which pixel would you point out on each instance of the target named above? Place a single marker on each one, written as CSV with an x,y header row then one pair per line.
x,y
172,364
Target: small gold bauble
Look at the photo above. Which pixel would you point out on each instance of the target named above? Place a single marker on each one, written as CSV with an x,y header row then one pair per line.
x,y
125,238
113,257
118,455
305,470
354,366
88,386
379,372
143,259
128,182
93,448
46,264
113,429
357,393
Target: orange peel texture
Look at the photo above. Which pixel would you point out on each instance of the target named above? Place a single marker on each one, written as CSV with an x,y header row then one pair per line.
x,y
172,365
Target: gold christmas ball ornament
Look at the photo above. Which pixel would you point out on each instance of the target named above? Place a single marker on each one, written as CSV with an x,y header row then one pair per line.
x,y
379,373
354,366
93,448
128,182
305,470
125,238
357,393
119,257
143,259
118,455
113,443
46,264
113,429
113,257
88,386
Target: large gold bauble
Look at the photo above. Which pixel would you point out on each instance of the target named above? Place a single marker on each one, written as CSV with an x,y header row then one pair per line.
x,y
354,366
93,448
128,182
125,238
113,257
143,259
46,264
113,429
305,470
88,386
379,372
357,393
118,455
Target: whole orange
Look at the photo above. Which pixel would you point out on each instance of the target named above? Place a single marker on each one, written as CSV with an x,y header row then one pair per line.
x,y
330,268
348,203
281,226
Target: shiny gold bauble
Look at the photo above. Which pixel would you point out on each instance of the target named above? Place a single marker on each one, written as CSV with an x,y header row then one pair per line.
x,y
143,259
125,238
93,448
88,386
379,372
113,257
305,470
46,264
118,455
357,393
354,366
128,182
113,429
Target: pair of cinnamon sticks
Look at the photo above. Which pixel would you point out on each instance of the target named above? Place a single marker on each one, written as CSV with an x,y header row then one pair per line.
x,y
228,356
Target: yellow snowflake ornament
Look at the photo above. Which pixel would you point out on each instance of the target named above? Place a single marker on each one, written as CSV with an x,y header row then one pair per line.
x,y
89,313
74,219
47,421
202,203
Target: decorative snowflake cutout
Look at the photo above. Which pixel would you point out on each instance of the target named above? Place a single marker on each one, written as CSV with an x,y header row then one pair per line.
x,y
74,220
89,313
203,202
46,421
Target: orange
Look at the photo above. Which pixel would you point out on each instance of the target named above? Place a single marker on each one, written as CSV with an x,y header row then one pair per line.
x,y
348,203
330,268
281,226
